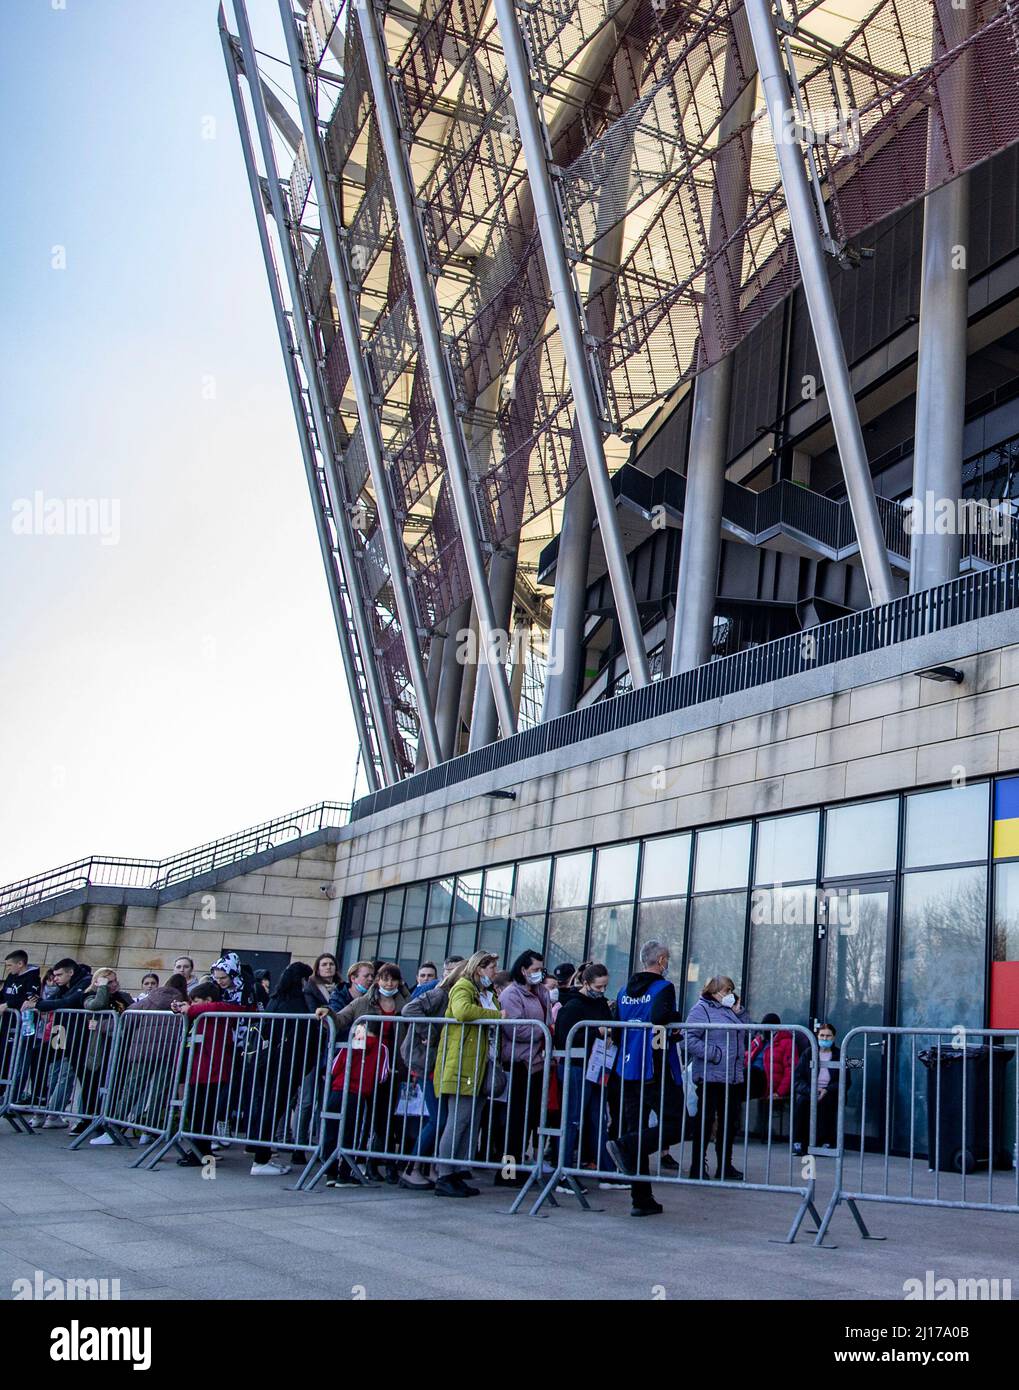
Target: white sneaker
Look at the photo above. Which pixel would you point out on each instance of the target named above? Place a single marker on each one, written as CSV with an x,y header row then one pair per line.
x,y
281,1163
54,1122
267,1170
101,1141
144,1138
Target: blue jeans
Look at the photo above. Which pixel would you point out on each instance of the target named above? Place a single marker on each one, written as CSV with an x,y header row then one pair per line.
x,y
424,1147
585,1097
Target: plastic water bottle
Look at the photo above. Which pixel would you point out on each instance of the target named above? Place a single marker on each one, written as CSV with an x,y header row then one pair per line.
x,y
28,1023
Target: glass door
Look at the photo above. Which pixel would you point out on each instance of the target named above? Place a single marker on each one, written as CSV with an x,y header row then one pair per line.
x,y
852,989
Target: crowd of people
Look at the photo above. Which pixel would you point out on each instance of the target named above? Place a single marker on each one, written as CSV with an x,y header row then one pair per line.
x,y
422,1075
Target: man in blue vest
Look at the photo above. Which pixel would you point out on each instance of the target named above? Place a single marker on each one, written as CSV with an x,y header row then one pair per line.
x,y
650,1072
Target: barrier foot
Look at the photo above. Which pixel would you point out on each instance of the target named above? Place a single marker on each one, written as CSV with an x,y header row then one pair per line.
x,y
79,1139
807,1205
19,1124
152,1156
544,1195
865,1234
822,1228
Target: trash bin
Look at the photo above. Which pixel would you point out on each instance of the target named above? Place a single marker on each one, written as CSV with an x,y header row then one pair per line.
x,y
950,1146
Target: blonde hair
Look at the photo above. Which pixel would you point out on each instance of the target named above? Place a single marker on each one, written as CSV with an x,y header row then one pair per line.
x,y
104,973
718,984
469,968
359,965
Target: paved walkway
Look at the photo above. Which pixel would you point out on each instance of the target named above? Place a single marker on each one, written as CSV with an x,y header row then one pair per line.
x,y
170,1234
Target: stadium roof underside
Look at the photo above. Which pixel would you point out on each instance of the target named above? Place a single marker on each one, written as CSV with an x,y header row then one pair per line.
x,y
674,268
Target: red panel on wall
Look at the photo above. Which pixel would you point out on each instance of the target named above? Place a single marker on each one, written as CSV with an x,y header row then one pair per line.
x,y
1005,994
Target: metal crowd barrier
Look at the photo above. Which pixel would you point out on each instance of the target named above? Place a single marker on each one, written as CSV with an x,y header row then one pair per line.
x,y
251,1079
488,1112
139,1094
631,1091
926,1117
58,1065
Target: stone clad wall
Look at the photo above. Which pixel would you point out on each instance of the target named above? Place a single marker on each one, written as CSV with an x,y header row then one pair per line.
x,y
280,908
860,740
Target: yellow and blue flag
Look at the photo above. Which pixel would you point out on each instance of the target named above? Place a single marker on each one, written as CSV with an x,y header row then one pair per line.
x,y
1006,818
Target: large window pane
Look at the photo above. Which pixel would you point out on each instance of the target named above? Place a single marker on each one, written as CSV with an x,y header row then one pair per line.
x,y
941,971
467,898
527,934
565,938
572,881
410,955
492,937
611,930
393,910
498,891
665,869
722,858
941,948
373,913
1006,912
861,839
615,874
434,946
947,827
440,900
717,926
663,920
462,939
781,952
414,907
388,944
531,892
787,849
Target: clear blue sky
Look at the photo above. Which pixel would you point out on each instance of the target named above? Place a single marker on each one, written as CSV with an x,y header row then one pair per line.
x,y
185,681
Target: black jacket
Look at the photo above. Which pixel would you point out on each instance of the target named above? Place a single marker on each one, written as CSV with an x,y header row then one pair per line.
x,y
71,995
575,1010
16,988
801,1076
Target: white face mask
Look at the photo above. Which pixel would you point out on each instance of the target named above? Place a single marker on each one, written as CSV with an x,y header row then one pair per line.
x,y
536,977
728,1000
553,994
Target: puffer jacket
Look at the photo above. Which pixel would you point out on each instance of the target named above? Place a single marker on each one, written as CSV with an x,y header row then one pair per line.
x,y
521,1044
462,1059
418,1048
369,1003
717,1055
107,1003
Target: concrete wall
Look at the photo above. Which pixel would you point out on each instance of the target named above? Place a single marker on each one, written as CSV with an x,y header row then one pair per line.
x,y
280,908
866,726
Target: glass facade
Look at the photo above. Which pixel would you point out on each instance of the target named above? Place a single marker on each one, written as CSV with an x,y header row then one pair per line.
x,y
884,911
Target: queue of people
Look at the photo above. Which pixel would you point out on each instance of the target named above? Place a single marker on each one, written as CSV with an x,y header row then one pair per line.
x,y
448,1095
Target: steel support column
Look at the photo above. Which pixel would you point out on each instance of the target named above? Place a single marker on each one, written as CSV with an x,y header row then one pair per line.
x,y
944,316
433,349
359,609
820,305
581,365
701,542
502,573
392,539
297,400
447,703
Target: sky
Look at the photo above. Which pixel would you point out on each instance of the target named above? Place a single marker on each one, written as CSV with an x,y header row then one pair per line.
x,y
175,675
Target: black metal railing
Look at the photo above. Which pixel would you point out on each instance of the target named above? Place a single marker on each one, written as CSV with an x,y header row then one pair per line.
x,y
977,595
155,874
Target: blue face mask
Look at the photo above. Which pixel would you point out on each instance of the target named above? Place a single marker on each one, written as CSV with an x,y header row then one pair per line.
x,y
486,981
386,993
825,1044
361,989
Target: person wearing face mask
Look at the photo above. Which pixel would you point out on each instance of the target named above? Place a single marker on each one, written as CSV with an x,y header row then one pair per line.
x,y
523,1053
461,1065
586,1121
718,1074
386,996
357,985
829,1065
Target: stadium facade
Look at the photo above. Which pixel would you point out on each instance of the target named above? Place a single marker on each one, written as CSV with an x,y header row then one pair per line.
x,y
656,375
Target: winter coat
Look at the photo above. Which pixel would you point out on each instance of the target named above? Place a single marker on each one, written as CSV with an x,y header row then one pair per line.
x,y
576,1010
100,1030
462,1059
801,1076
212,1055
779,1062
419,1044
151,1037
71,995
16,988
525,1044
369,1003
314,995
717,1055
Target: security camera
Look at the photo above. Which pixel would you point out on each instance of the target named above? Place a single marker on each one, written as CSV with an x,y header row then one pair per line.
x,y
329,889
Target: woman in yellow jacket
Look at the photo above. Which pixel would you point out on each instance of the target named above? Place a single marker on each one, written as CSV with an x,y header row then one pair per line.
x,y
461,1064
